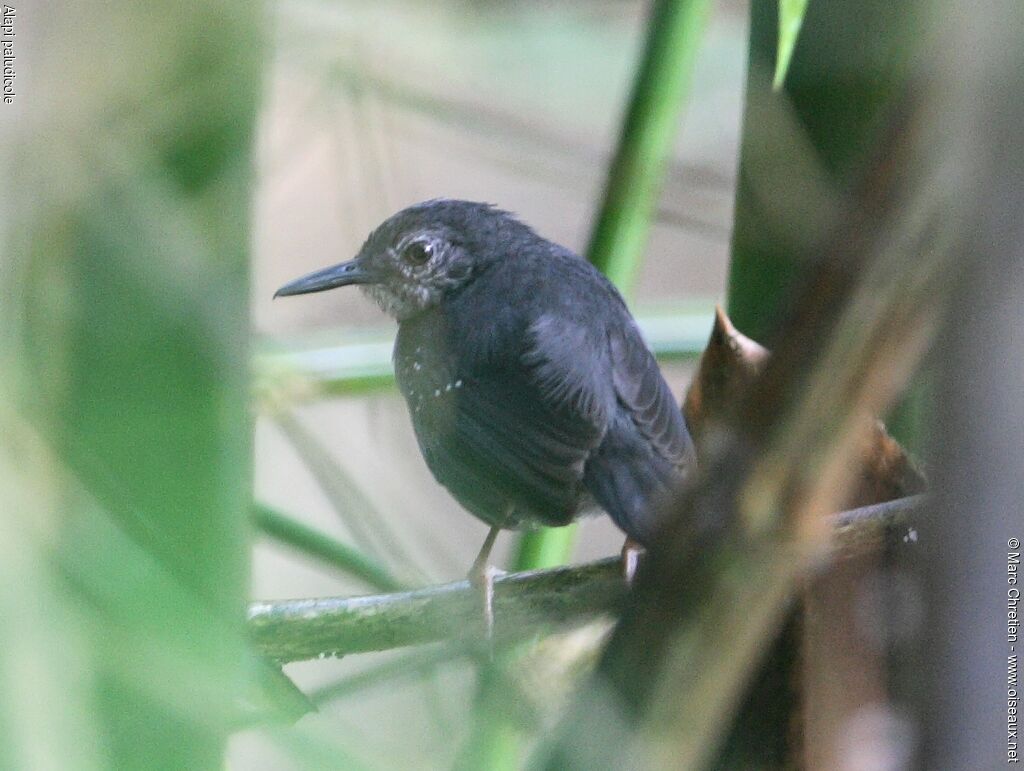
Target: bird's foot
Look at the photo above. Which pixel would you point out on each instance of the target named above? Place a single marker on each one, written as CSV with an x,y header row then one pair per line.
x,y
631,553
482,578
482,575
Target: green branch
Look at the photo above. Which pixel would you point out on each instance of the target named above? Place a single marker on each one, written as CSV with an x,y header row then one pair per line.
x,y
295,630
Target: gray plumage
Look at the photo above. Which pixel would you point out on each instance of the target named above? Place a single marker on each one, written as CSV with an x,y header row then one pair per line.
x,y
531,391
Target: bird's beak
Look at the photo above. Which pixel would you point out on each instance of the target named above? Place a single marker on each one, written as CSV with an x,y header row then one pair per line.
x,y
344,274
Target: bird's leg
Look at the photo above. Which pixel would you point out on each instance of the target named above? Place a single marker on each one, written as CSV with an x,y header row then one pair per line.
x,y
485,553
631,551
481,575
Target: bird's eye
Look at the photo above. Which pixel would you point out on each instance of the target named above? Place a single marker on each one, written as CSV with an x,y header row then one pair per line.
x,y
418,252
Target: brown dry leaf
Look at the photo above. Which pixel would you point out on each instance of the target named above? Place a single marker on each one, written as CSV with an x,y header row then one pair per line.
x,y
731,362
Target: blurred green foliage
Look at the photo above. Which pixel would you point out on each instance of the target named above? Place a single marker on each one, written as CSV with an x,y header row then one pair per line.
x,y
802,145
791,18
129,353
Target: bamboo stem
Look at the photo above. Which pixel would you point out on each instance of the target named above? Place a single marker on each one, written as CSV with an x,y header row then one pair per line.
x,y
652,120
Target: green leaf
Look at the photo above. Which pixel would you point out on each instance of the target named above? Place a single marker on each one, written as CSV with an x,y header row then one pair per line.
x,y
791,18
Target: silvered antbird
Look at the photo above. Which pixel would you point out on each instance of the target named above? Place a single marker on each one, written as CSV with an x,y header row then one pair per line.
x,y
531,391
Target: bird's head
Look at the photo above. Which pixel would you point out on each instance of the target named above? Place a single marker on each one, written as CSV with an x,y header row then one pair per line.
x,y
418,256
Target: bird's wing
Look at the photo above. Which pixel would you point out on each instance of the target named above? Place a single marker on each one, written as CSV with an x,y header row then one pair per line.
x,y
523,429
598,372
645,396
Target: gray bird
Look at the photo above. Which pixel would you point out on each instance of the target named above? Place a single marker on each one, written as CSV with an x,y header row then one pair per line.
x,y
531,391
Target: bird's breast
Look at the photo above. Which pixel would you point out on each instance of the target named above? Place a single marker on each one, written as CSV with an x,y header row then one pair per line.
x,y
427,375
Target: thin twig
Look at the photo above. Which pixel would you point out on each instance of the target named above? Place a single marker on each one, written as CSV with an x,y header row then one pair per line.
x,y
313,543
356,511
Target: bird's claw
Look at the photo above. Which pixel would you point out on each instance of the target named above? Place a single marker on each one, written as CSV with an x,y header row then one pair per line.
x,y
631,552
